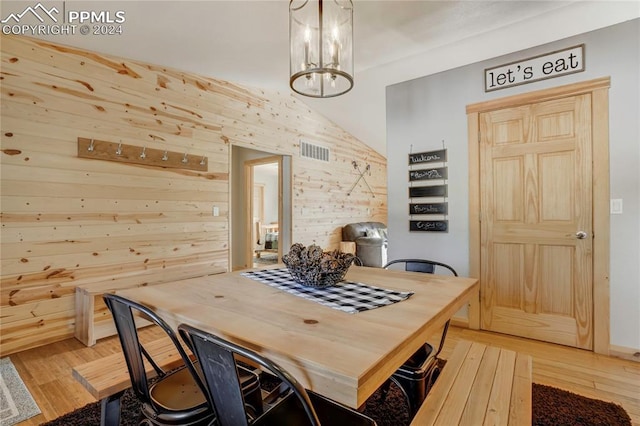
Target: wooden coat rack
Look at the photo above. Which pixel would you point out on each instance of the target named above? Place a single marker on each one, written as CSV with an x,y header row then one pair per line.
x,y
111,151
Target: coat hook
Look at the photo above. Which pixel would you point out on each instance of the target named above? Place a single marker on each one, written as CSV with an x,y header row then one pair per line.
x,y
90,146
143,155
184,159
202,162
165,156
119,150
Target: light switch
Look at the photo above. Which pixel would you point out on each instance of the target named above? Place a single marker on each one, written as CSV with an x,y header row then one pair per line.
x,y
616,206
216,211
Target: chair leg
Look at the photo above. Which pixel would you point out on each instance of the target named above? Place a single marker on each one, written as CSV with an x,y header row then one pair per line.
x,y
406,391
415,389
384,390
432,376
110,410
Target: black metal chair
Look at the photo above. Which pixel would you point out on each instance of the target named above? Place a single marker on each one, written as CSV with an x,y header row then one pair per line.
x,y
288,405
176,397
417,374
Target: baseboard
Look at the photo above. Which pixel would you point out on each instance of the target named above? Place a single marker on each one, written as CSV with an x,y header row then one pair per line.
x,y
624,353
621,352
462,322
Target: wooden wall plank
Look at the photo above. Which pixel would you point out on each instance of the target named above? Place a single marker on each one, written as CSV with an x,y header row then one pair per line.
x,y
68,221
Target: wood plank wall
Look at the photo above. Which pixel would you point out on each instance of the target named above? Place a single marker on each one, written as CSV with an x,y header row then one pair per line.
x,y
68,221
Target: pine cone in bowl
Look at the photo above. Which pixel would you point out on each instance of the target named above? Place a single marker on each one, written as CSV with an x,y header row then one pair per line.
x,y
313,267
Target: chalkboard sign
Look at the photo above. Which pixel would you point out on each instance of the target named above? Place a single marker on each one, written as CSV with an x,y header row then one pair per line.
x,y
428,174
428,191
428,157
429,208
429,225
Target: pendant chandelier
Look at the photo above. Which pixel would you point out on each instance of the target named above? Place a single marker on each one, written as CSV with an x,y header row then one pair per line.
x,y
321,47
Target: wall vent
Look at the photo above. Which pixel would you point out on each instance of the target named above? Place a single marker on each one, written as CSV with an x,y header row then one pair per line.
x,y
316,152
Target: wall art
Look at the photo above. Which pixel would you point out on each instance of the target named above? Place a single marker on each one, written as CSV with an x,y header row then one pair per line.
x,y
428,208
429,225
427,174
428,157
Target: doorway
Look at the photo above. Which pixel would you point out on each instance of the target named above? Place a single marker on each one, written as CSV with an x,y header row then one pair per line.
x,y
261,207
263,197
539,214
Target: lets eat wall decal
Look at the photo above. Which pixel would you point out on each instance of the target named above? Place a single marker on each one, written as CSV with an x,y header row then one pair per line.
x,y
428,175
541,67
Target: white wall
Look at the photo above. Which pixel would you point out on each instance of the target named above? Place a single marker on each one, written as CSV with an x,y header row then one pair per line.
x,y
268,176
361,111
423,112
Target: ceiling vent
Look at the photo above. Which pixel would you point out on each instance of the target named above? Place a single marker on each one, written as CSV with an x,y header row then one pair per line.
x,y
315,152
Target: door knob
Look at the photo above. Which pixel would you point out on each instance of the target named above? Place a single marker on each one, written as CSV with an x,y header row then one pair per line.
x,y
581,235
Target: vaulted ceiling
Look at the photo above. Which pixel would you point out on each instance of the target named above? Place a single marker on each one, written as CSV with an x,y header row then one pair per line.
x,y
247,41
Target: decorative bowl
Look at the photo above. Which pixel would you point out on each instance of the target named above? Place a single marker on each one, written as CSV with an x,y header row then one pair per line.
x,y
313,267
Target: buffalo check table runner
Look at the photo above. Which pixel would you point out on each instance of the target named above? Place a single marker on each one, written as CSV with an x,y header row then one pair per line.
x,y
347,296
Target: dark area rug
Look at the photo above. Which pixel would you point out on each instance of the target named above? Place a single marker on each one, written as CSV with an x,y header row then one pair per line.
x,y
551,407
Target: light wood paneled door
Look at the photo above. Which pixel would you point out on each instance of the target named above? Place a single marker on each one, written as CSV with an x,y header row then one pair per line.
x,y
536,221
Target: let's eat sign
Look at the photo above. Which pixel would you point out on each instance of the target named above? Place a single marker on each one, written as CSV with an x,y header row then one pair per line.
x,y
549,65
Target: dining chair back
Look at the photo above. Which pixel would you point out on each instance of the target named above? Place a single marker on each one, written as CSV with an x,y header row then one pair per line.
x,y
292,406
416,375
174,398
420,265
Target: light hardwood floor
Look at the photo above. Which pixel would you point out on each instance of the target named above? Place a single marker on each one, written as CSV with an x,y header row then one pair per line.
x,y
47,371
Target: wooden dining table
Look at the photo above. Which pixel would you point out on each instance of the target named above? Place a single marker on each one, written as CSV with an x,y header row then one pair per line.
x,y
343,356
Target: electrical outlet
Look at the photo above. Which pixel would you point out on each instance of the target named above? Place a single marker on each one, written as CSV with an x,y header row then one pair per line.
x,y
216,211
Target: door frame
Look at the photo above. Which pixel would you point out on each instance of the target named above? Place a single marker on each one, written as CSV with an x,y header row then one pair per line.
x,y
599,90
248,193
260,188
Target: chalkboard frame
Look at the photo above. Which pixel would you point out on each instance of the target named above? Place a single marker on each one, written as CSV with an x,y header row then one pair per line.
x,y
428,208
429,226
428,174
437,156
428,191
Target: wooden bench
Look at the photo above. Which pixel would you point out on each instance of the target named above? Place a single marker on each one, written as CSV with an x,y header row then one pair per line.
x,y
480,385
93,319
108,377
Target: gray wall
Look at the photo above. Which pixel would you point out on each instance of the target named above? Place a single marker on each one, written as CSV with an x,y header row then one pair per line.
x,y
421,113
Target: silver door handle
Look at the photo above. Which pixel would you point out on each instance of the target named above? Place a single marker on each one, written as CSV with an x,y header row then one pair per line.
x,y
581,235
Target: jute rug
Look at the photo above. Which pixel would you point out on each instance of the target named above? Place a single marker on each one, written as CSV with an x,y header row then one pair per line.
x,y
551,407
16,403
